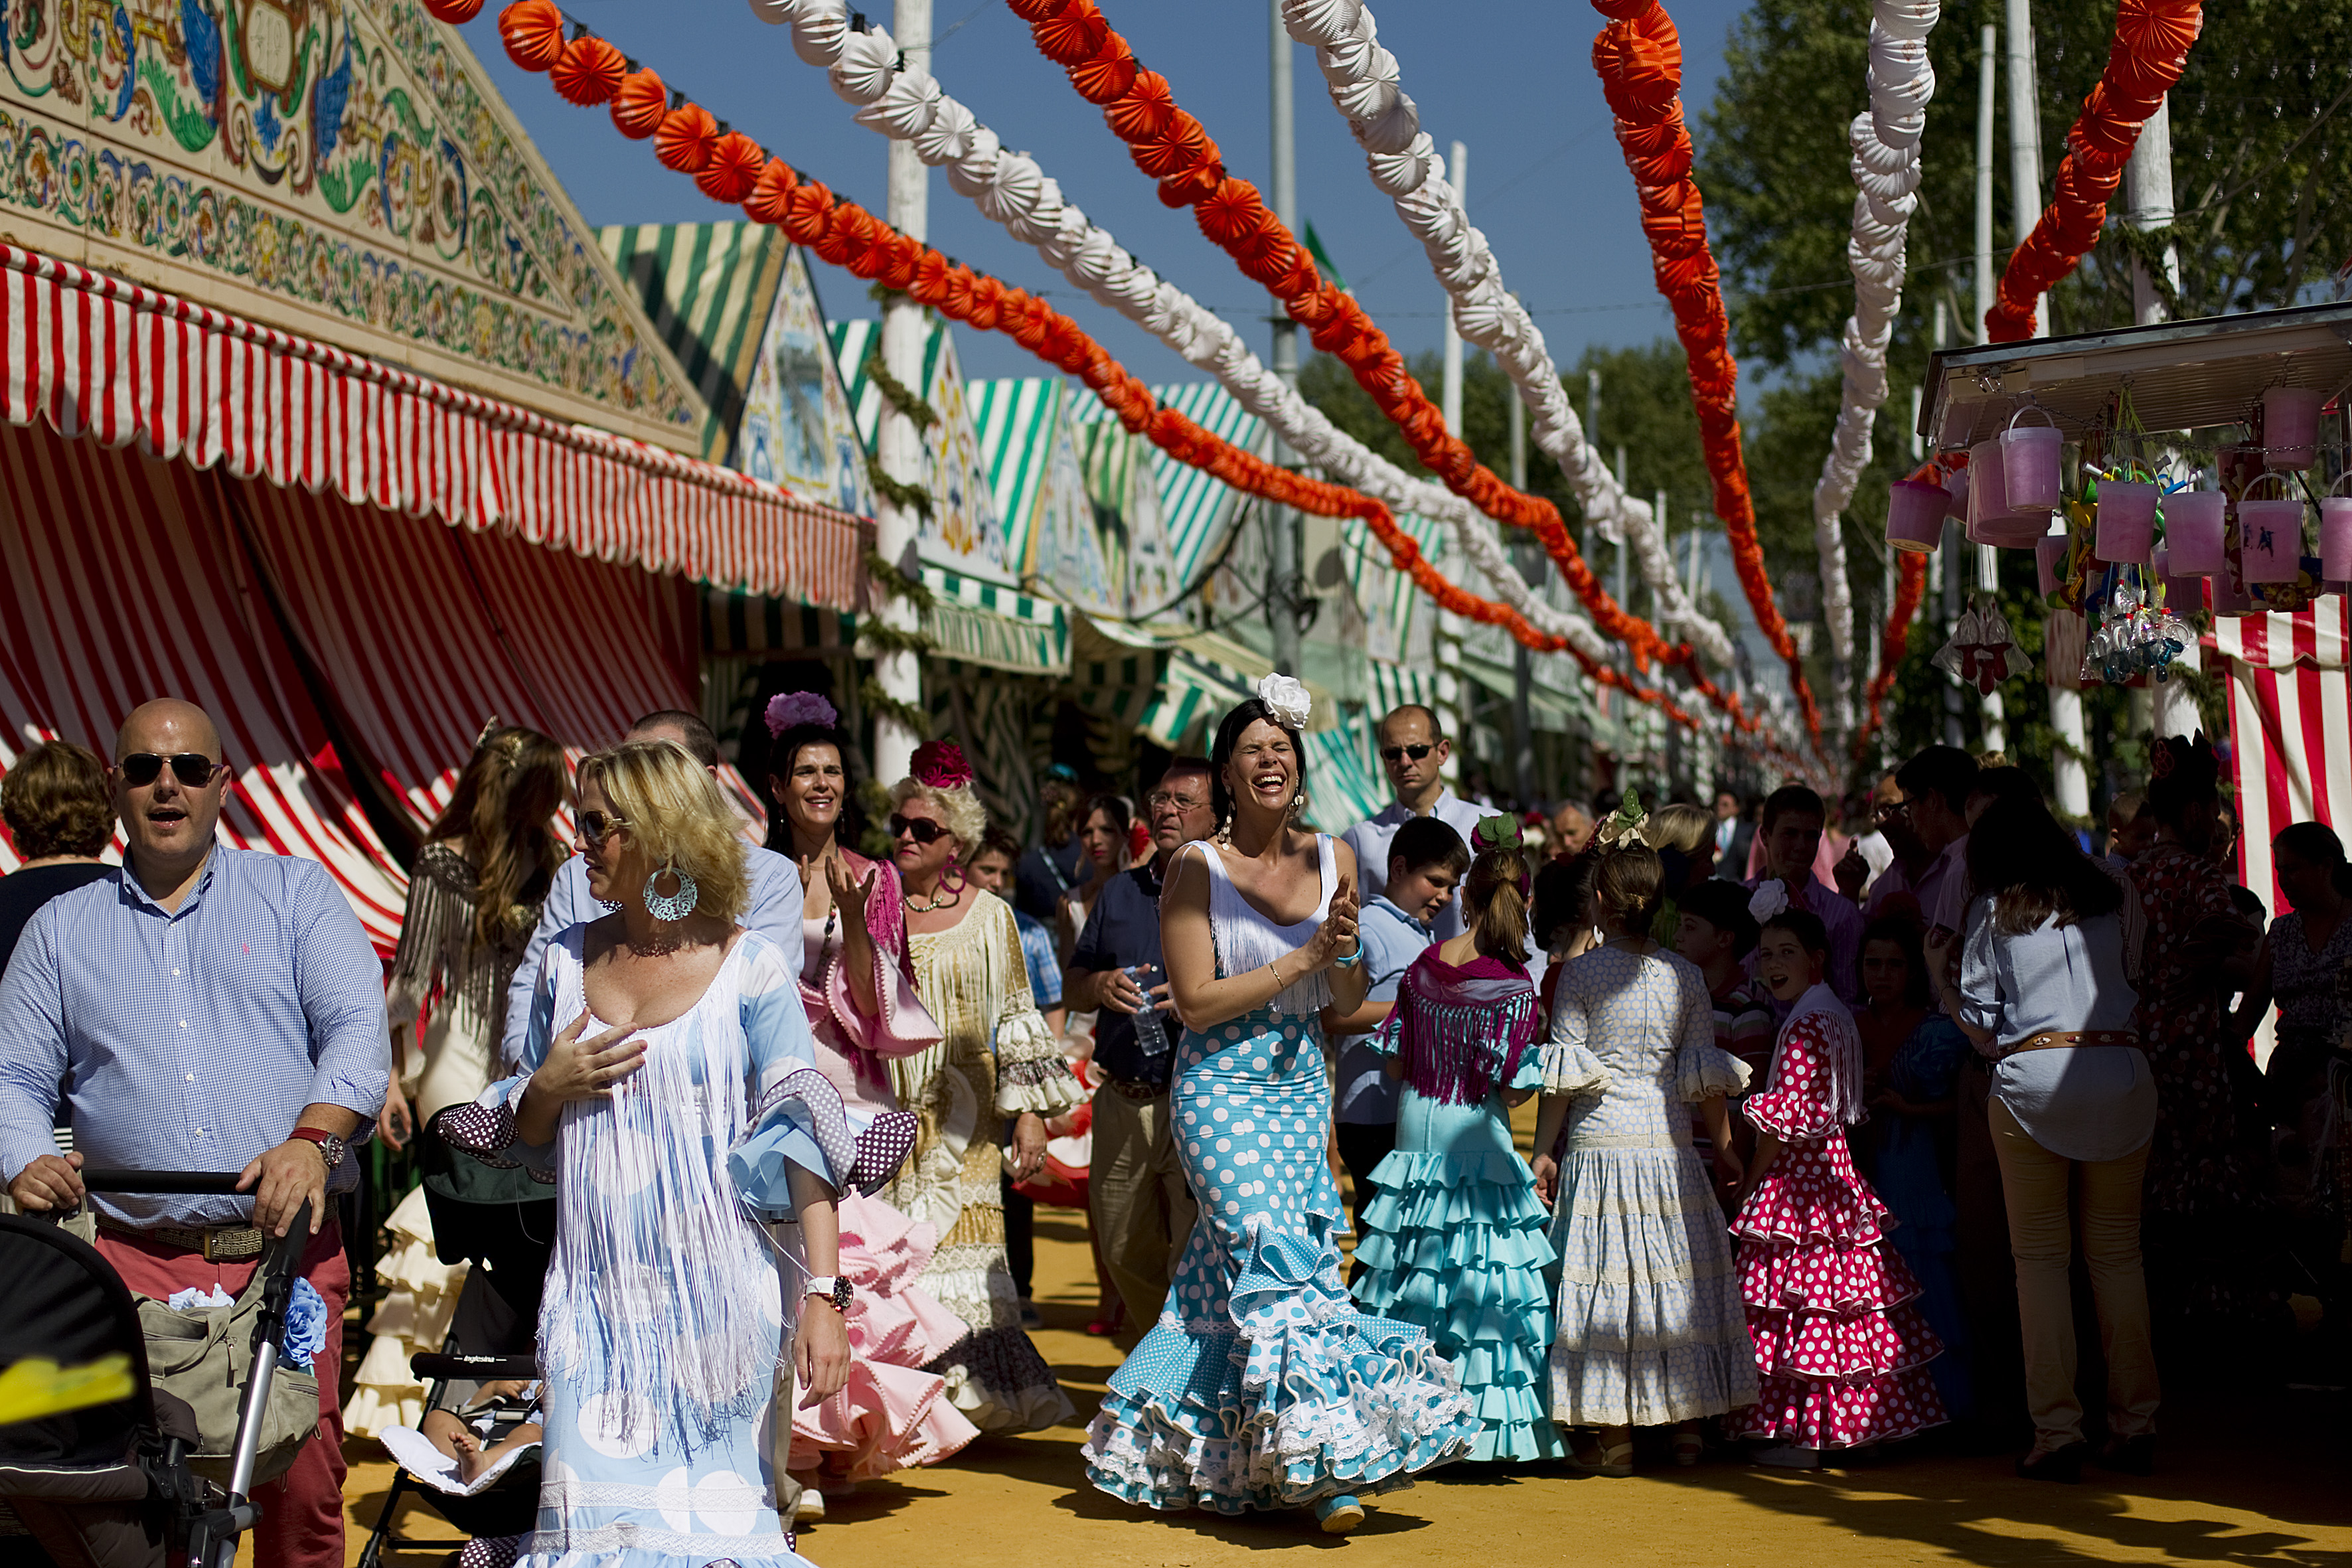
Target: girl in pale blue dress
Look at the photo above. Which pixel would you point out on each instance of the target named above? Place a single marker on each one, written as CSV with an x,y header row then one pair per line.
x,y
666,1309
1453,1240
1650,1329
1262,1386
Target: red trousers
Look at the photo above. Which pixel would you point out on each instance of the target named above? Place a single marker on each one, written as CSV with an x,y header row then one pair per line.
x,y
301,1511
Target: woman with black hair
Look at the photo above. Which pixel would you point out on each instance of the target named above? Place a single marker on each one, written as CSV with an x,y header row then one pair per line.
x,y
2043,990
2194,1168
1260,1386
2305,966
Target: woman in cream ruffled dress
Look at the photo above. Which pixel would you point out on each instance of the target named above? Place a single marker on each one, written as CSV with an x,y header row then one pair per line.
x,y
472,899
1650,1329
997,1061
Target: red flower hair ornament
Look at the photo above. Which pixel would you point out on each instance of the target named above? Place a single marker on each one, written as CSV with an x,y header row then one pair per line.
x,y
940,764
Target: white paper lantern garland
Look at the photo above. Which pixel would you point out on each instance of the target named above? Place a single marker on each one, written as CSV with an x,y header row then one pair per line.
x,y
1010,189
1886,165
1363,79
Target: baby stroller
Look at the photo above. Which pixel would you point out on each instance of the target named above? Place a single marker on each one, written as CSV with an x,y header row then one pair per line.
x,y
110,1485
502,1223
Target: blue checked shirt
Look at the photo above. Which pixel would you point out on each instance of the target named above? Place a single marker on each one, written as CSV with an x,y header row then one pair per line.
x,y
191,1041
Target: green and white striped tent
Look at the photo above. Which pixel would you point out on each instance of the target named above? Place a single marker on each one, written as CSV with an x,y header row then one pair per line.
x,y
980,613
1196,511
708,289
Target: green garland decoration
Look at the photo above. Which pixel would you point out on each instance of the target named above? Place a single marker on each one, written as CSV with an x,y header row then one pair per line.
x,y
875,635
900,585
885,706
896,491
900,395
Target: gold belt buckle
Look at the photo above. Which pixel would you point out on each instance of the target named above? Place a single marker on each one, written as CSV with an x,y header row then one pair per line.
x,y
210,1232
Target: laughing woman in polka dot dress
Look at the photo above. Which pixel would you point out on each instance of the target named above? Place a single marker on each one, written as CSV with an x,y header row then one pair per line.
x,y
1260,1386
669,1089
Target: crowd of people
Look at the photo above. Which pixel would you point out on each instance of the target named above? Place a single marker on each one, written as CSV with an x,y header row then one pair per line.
x,y
1818,1101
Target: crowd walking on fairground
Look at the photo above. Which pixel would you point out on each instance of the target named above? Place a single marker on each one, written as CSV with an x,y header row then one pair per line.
x,y
1827,1100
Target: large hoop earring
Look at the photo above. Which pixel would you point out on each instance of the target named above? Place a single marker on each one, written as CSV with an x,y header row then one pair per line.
x,y
951,876
671,907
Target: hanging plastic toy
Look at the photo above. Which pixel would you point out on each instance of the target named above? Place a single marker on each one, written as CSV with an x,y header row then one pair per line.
x,y
2135,636
1983,651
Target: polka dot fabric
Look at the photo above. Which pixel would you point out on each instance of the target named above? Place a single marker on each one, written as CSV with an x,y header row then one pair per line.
x,y
1261,1385
1841,1350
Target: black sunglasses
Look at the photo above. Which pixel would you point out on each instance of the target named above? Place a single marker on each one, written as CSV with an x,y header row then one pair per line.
x,y
924,830
1398,754
193,769
597,827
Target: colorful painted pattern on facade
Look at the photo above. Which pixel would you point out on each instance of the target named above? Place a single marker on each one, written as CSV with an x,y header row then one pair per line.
x,y
343,155
797,428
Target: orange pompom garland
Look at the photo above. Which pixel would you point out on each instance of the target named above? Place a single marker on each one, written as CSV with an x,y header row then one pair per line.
x,y
588,72
533,31
639,105
848,234
456,13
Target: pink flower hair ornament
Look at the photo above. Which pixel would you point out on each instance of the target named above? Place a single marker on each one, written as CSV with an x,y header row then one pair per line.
x,y
790,709
940,764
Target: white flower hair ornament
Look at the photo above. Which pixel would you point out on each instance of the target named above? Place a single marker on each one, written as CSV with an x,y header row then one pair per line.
x,y
1769,898
1288,699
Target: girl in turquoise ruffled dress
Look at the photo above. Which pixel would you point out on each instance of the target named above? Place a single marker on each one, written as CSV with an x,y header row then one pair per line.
x,y
1455,1241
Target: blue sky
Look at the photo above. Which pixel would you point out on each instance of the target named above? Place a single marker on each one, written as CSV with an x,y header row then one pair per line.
x,y
1512,80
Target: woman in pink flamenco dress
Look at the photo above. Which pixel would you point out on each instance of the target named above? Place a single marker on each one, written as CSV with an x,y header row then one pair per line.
x,y
857,985
1842,1349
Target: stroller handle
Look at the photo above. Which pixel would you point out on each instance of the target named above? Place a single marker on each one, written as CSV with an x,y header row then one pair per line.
x,y
97,1180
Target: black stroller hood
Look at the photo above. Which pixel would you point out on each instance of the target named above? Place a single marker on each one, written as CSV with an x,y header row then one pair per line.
x,y
60,1300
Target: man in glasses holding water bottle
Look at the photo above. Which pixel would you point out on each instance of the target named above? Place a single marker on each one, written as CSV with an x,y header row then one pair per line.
x,y
1142,1210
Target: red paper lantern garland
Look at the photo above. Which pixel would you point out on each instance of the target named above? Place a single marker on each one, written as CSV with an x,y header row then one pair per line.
x,y
843,232
2151,47
533,31
456,13
1639,57
1171,147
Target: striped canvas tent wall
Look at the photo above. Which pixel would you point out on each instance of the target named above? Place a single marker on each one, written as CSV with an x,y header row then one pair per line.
x,y
2290,728
1196,511
709,289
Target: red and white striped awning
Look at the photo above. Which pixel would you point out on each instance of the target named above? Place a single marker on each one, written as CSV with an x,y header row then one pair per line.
x,y
94,355
2290,727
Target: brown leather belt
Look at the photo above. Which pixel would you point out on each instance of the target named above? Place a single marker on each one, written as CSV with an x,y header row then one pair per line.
x,y
220,1244
1141,1093
2063,1039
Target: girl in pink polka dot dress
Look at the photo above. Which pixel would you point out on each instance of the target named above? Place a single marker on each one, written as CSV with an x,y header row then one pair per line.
x,y
1841,1347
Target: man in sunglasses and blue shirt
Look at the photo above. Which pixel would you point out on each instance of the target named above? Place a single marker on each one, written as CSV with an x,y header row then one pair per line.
x,y
208,1009
774,911
1414,751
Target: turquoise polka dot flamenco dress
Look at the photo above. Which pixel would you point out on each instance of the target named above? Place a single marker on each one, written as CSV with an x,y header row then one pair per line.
x,y
1262,1386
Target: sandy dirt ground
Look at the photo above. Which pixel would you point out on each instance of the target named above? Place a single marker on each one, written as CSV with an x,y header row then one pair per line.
x,y
2244,1479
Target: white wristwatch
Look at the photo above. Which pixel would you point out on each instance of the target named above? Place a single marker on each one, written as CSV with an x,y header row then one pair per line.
x,y
833,1288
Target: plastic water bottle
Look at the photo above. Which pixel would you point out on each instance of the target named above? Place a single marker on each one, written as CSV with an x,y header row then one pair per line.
x,y
1150,1033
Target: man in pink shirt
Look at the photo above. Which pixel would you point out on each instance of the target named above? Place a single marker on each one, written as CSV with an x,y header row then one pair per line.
x,y
1794,818
1936,786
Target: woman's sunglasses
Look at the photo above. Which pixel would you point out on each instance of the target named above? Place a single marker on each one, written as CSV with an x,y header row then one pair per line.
x,y
597,827
924,830
193,769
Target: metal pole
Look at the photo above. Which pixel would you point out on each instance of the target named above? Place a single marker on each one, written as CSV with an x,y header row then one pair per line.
x,y
2147,191
1989,47
1452,695
1523,661
2024,133
897,442
1284,544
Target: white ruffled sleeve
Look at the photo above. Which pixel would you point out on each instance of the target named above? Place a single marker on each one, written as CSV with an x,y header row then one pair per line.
x,y
1701,1068
1569,1065
1032,1074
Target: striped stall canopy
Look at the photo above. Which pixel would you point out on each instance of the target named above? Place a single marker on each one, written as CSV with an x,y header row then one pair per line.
x,y
708,289
1111,678
1194,696
92,354
124,581
1017,421
1196,511
2290,728
986,623
1343,787
744,624
1395,686
1388,597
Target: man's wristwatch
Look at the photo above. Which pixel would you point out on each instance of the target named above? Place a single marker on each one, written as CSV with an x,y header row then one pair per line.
x,y
331,1148
833,1288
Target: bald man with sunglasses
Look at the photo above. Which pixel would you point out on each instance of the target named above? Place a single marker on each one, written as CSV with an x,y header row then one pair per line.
x,y
208,1009
1413,752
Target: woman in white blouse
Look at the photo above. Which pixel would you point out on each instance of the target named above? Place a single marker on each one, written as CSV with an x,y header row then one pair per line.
x,y
2043,989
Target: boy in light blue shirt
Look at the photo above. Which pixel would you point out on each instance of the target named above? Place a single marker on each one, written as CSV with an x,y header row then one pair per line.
x,y
1426,859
